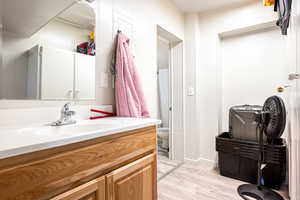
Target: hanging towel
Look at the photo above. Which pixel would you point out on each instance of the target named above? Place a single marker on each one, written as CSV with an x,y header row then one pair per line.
x,y
130,100
269,2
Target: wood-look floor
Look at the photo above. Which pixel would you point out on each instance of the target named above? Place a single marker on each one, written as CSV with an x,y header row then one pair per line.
x,y
165,166
192,181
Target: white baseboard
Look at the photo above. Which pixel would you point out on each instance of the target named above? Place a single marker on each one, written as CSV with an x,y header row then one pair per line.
x,y
203,161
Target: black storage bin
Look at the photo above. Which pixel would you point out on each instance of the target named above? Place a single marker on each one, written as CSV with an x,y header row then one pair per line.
x,y
238,159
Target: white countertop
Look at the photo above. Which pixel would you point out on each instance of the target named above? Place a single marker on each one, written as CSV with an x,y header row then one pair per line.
x,y
20,140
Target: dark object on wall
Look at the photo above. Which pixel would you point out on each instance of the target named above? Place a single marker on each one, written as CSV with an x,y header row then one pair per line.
x,y
82,48
238,159
271,122
242,122
88,48
284,9
91,48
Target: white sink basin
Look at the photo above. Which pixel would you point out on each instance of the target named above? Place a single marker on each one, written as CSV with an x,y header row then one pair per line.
x,y
81,128
67,130
16,141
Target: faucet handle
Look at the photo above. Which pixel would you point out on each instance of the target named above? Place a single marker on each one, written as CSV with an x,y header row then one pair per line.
x,y
66,116
72,113
66,107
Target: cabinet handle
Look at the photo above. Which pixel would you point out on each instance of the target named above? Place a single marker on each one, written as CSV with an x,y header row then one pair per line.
x,y
69,94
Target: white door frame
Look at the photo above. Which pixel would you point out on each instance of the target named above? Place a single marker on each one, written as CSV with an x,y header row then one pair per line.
x,y
176,114
170,70
294,109
221,37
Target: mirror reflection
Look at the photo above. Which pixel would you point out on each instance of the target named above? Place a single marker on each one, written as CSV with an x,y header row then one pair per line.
x,y
48,50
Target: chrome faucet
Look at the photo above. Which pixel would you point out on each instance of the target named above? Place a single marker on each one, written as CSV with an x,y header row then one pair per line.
x,y
65,116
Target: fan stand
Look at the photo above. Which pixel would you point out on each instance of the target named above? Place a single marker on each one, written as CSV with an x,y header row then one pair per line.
x,y
259,192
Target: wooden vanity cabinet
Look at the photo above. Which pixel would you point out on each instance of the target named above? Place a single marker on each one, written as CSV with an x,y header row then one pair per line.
x,y
135,181
122,166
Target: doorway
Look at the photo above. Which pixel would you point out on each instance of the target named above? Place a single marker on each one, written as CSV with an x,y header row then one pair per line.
x,y
170,134
257,70
165,96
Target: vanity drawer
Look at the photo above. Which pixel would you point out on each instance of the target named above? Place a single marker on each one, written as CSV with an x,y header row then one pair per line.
x,y
93,190
46,174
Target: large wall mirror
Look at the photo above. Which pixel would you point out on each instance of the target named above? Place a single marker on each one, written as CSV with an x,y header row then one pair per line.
x,y
48,50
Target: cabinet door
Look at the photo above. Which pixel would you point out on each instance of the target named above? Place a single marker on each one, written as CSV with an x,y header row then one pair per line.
x,y
136,181
57,74
93,190
84,77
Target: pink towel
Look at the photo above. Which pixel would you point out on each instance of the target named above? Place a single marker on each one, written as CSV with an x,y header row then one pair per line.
x,y
130,99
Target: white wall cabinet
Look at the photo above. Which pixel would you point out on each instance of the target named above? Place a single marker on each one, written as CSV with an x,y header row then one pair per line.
x,y
55,74
84,77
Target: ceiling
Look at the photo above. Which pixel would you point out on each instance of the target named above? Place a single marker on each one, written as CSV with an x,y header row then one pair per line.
x,y
204,5
81,15
27,17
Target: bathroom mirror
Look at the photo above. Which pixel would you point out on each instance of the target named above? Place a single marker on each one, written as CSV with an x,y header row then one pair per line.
x,y
48,50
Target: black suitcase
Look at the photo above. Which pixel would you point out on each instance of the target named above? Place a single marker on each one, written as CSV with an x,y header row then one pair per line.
x,y
242,124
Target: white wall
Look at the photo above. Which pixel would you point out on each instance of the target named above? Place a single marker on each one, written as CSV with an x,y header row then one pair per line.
x,y
15,58
192,136
254,65
145,16
208,93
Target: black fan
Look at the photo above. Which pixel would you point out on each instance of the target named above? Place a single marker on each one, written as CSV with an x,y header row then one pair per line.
x,y
271,121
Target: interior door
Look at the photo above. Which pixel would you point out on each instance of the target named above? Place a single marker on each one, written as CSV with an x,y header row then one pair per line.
x,y
136,181
57,74
293,137
84,77
294,107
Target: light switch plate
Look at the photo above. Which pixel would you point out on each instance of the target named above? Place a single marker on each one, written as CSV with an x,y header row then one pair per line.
x,y
191,91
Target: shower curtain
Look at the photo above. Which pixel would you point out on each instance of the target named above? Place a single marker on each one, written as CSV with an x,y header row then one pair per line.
x,y
130,100
163,79
294,104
